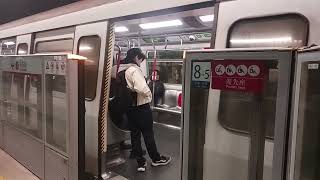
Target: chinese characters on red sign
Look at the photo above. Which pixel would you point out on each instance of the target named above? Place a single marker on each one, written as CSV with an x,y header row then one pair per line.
x,y
238,75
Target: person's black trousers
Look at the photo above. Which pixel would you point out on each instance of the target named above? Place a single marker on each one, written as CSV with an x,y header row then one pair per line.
x,y
141,122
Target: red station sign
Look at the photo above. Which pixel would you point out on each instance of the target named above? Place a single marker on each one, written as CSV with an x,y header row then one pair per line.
x,y
238,75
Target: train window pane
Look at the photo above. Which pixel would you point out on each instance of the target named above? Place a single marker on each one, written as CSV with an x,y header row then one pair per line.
x,y
274,31
8,46
61,46
22,49
307,156
235,110
169,72
89,47
166,54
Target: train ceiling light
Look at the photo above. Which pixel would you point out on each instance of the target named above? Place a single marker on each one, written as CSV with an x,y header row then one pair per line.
x,y
161,24
121,29
9,43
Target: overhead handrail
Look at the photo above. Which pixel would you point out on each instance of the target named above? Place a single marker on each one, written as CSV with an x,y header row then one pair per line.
x,y
135,42
139,42
129,43
166,44
181,42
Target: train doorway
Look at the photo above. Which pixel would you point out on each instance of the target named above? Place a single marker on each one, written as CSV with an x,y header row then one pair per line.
x,y
236,114
163,39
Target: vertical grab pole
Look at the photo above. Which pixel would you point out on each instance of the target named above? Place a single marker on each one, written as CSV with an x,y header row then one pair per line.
x,y
153,74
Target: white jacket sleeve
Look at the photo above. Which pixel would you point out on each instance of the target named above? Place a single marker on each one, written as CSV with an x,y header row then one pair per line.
x,y
137,82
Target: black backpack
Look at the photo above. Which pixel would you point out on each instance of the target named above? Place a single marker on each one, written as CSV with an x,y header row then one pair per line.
x,y
121,99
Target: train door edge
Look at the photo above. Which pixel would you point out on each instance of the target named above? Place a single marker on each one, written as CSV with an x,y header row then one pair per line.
x,y
302,157
91,42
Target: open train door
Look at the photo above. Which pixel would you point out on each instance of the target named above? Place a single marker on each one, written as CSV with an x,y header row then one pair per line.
x,y
305,144
91,42
235,114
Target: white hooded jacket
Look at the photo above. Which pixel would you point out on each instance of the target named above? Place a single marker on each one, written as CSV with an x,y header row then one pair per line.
x,y
136,82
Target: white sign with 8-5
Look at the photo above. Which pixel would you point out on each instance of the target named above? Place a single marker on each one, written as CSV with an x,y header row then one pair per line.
x,y
201,74
201,71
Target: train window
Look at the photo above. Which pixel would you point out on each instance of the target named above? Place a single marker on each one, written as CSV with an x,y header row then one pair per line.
x,y
289,30
89,46
62,32
235,107
169,72
8,46
275,31
54,46
169,64
166,54
22,49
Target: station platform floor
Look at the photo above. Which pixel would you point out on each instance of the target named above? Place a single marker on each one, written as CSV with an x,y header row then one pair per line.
x,y
168,142
10,169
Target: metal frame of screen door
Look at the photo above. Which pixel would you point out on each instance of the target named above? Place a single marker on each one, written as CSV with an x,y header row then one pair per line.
x,y
285,63
309,55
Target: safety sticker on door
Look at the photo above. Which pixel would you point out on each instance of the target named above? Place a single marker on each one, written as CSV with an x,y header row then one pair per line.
x,y
55,67
238,75
201,74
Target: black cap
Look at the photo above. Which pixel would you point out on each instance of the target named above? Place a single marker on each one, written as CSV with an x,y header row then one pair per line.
x,y
132,53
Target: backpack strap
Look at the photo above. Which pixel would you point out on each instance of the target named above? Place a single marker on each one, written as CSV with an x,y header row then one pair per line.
x,y
121,78
123,83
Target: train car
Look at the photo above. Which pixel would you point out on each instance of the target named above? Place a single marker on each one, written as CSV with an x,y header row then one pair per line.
x,y
252,24
104,30
99,30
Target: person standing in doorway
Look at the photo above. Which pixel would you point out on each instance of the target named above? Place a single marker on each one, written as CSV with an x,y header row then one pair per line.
x,y
139,112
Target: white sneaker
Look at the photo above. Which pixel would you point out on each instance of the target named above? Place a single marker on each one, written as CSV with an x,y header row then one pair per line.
x,y
162,161
142,168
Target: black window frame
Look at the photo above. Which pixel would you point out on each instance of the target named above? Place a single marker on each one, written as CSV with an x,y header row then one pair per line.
x,y
304,18
53,40
22,44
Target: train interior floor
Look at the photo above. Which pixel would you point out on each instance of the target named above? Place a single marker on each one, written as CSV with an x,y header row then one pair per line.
x,y
168,143
10,169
